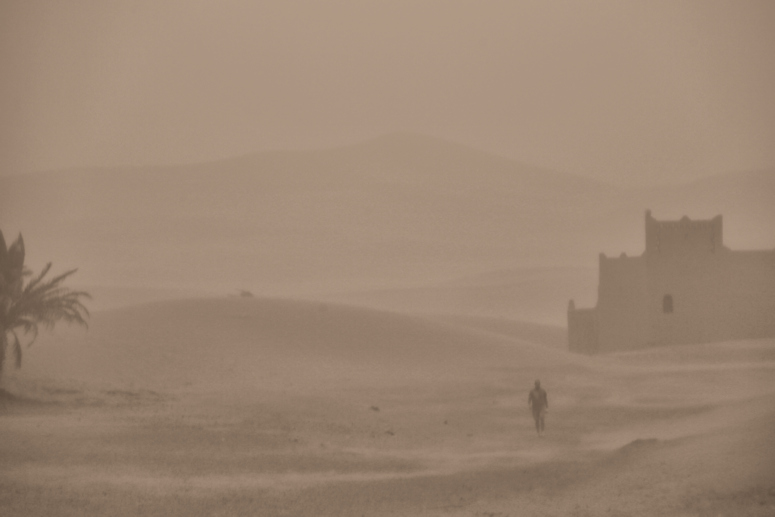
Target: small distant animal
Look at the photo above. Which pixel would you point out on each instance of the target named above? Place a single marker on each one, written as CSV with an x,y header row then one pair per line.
x,y
245,294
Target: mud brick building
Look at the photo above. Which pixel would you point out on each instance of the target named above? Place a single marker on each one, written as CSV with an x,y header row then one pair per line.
x,y
686,287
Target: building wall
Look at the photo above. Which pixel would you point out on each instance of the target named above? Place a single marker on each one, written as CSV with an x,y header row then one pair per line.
x,y
714,293
582,330
684,237
748,288
621,307
698,297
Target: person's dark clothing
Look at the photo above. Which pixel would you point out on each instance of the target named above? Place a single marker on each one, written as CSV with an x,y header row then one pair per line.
x,y
538,400
539,403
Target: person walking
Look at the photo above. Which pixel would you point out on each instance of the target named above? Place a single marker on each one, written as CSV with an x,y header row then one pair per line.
x,y
539,403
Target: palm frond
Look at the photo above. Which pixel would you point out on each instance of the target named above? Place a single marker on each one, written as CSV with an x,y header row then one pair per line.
x,y
42,301
3,252
16,253
27,326
35,281
17,350
3,347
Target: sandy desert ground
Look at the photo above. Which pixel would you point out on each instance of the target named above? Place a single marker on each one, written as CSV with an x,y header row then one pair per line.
x,y
414,192
280,407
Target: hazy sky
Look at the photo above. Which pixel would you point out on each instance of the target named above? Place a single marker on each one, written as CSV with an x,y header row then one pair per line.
x,y
632,92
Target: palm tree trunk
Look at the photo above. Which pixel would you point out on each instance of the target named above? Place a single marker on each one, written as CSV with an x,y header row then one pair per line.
x,y
3,349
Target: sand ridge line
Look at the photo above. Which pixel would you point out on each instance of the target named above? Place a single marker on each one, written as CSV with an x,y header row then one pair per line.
x,y
720,418
429,464
695,367
137,479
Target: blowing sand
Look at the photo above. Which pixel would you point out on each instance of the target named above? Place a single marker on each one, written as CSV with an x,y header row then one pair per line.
x,y
278,407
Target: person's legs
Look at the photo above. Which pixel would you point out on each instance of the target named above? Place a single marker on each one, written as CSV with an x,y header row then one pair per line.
x,y
537,418
541,418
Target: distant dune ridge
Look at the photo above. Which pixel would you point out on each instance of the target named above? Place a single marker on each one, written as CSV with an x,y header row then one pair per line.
x,y
398,211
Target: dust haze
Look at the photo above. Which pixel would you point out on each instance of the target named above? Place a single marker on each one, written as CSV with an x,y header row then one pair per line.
x,y
331,247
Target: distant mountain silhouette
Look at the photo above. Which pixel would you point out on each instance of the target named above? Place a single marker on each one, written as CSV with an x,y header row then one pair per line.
x,y
400,209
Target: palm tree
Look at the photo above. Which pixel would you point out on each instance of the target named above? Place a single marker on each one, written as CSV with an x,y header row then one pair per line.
x,y
23,307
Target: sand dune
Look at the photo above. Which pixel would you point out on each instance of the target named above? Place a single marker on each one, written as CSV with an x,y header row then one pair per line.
x,y
399,210
287,407
536,295
269,342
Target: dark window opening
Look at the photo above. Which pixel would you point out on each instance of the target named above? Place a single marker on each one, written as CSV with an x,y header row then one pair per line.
x,y
667,304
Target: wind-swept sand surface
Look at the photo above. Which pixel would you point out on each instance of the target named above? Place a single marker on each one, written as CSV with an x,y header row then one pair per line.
x,y
282,407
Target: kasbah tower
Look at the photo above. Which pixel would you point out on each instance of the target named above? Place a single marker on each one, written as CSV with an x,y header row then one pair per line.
x,y
686,287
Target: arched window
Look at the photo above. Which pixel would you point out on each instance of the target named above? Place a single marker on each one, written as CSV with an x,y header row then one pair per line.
x,y
667,304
